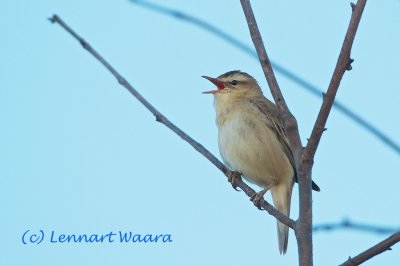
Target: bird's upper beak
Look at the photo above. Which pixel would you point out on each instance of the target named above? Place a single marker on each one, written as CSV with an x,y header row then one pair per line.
x,y
220,85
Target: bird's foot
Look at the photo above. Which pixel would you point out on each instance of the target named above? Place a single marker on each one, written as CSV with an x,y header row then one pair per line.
x,y
256,198
233,179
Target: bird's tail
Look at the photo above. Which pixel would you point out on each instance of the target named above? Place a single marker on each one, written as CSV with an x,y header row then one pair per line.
x,y
281,195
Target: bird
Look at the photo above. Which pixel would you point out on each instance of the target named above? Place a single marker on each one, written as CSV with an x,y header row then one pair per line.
x,y
252,141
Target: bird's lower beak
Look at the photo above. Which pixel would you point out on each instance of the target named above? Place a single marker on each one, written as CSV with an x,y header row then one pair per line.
x,y
220,85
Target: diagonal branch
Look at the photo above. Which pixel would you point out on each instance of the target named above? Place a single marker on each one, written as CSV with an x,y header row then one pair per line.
x,y
373,251
343,64
286,116
234,177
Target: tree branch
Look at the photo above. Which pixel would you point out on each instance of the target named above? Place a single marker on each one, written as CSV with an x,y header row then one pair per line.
x,y
373,251
347,224
307,157
343,64
233,177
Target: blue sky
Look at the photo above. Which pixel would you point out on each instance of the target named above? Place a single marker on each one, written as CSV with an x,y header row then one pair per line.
x,y
80,155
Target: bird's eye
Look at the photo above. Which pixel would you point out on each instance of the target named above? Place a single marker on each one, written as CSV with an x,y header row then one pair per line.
x,y
234,82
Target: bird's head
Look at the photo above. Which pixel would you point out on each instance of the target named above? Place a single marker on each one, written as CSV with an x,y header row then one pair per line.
x,y
233,84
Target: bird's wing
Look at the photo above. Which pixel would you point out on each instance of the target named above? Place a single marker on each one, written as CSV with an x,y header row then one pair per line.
x,y
274,123
271,112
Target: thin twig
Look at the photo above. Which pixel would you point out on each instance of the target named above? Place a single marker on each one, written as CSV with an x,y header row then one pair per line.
x,y
373,251
237,181
350,225
343,64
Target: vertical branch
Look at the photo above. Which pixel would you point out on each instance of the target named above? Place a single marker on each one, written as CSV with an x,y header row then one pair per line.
x,y
304,234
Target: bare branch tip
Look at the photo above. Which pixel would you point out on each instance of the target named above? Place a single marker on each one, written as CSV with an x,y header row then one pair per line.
x,y
353,6
53,19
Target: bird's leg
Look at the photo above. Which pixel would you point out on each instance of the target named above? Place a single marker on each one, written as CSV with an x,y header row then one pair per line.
x,y
233,178
258,196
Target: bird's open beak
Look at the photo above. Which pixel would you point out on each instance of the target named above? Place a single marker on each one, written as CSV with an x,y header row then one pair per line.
x,y
220,85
